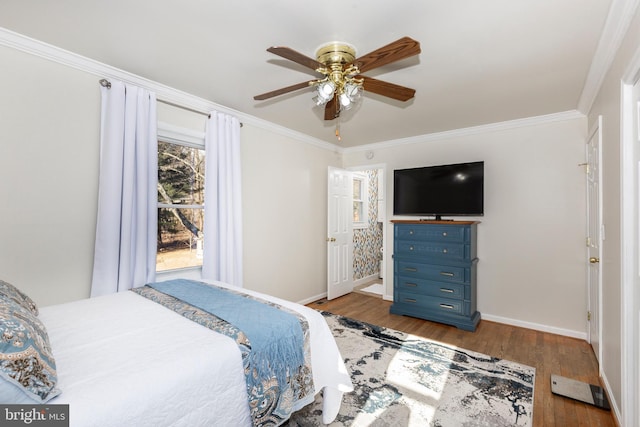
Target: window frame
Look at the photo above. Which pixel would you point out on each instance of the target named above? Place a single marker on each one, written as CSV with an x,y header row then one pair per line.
x,y
171,134
363,178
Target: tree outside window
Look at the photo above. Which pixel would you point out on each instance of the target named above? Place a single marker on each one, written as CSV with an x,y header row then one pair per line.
x,y
180,206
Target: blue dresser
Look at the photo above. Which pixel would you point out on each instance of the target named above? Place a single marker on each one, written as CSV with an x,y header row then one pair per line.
x,y
434,271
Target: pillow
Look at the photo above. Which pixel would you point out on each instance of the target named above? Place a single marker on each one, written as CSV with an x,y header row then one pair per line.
x,y
26,360
7,290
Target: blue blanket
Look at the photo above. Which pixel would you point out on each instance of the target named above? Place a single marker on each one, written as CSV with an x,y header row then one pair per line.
x,y
276,337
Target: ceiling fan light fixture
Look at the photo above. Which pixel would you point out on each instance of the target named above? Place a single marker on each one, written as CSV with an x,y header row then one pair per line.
x,y
350,95
325,91
345,102
342,84
353,90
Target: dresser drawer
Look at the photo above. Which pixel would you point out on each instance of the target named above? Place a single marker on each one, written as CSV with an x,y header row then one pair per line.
x,y
427,287
432,304
442,273
443,250
438,233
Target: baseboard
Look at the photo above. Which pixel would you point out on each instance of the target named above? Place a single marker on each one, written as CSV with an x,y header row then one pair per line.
x,y
312,299
355,283
615,409
365,280
324,294
491,318
535,326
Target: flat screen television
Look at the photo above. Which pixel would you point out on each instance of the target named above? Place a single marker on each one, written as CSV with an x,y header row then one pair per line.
x,y
444,190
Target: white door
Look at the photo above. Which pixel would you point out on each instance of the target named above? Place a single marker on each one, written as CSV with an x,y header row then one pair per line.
x,y
594,235
340,230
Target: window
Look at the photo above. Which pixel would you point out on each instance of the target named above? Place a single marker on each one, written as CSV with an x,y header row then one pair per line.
x,y
180,205
360,200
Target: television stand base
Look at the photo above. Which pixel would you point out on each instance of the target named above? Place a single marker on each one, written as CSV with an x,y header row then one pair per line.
x,y
437,218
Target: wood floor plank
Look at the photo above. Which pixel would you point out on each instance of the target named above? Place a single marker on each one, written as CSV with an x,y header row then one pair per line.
x,y
548,353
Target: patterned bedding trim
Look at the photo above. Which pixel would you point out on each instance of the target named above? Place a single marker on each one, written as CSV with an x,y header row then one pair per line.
x,y
270,403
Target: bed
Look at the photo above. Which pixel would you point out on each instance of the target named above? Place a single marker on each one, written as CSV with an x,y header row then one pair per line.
x,y
125,359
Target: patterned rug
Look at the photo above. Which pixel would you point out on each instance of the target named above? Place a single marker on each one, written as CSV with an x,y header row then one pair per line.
x,y
404,380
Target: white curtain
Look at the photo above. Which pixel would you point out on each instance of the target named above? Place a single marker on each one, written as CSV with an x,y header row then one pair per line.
x,y
126,228
222,209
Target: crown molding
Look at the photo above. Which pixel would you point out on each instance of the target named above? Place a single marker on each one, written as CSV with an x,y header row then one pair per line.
x,y
102,70
474,130
620,15
166,93
281,130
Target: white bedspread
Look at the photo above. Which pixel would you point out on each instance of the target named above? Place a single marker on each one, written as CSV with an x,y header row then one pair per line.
x,y
124,360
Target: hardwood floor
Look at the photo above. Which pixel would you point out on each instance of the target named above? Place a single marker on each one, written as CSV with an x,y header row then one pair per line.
x,y
548,353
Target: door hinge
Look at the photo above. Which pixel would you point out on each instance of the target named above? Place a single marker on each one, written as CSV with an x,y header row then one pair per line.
x,y
588,316
588,241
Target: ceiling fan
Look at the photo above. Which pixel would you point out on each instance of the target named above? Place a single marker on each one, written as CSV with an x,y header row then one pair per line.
x,y
342,83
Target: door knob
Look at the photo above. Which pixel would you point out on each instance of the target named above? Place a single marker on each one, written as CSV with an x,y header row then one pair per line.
x,y
331,239
594,260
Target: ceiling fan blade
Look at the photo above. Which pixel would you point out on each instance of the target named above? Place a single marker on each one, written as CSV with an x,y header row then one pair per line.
x,y
296,57
331,109
399,49
401,93
283,90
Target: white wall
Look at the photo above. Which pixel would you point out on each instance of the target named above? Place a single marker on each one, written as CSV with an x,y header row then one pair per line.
x,y
284,214
531,240
50,123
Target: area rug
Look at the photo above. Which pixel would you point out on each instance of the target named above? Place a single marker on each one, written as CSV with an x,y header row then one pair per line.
x,y
405,380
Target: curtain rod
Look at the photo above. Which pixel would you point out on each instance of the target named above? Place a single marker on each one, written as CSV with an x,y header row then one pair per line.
x,y
106,83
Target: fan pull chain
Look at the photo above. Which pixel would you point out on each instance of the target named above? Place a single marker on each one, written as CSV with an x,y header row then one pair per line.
x,y
338,129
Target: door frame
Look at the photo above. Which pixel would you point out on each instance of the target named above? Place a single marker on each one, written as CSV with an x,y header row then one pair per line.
x,y
386,251
630,244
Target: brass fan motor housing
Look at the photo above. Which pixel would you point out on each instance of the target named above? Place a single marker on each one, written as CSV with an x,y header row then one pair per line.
x,y
336,53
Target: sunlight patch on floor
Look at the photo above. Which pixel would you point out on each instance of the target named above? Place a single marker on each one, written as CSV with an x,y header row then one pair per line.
x,y
419,399
431,385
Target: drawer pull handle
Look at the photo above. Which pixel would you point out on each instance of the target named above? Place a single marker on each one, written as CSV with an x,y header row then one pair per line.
x,y
412,269
446,273
412,300
449,291
411,247
411,232
444,234
447,306
412,285
444,251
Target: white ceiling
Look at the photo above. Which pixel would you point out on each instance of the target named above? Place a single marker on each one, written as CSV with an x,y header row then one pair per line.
x,y
482,61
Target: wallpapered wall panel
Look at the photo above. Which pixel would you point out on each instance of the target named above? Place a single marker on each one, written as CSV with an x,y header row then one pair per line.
x,y
368,241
